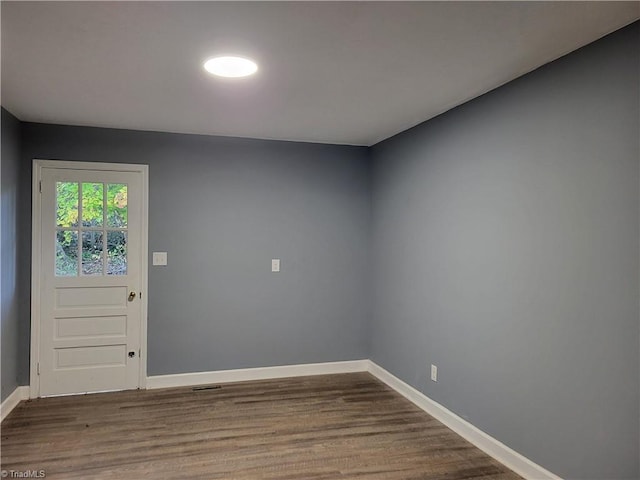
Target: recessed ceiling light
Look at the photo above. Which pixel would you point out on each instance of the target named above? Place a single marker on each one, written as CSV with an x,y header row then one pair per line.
x,y
232,67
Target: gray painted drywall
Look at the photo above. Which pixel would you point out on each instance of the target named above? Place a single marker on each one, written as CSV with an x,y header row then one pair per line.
x,y
506,236
9,246
223,208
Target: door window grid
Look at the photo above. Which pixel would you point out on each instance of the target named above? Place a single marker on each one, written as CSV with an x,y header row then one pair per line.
x,y
87,215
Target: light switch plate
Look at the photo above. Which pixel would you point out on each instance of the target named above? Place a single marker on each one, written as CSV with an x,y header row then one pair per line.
x,y
159,258
275,264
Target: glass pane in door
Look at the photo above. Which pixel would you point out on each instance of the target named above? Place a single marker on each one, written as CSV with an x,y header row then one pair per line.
x,y
92,261
66,253
67,204
92,204
116,205
116,253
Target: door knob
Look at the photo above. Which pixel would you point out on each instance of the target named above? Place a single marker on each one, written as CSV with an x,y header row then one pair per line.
x,y
132,354
132,295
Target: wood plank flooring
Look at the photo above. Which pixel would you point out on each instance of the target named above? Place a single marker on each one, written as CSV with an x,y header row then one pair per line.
x,y
348,426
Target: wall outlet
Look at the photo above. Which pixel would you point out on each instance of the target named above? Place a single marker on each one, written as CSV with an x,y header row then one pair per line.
x,y
434,373
275,264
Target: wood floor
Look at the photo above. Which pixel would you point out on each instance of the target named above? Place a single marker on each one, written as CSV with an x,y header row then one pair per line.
x,y
348,426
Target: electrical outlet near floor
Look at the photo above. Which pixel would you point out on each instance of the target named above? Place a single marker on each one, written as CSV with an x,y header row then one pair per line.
x,y
434,373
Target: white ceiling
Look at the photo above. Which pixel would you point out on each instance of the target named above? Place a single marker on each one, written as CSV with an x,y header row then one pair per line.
x,y
334,72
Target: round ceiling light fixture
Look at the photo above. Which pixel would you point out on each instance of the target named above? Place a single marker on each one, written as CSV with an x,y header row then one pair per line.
x,y
231,67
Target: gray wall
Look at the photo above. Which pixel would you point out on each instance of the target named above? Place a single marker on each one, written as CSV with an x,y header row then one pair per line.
x,y
505,238
9,246
223,208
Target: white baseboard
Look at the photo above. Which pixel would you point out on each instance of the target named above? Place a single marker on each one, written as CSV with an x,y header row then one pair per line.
x,y
260,373
505,455
12,401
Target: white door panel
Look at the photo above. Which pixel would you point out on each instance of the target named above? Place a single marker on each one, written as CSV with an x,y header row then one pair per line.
x,y
90,277
109,326
91,297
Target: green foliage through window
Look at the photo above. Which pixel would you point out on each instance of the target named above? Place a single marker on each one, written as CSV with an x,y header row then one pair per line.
x,y
100,209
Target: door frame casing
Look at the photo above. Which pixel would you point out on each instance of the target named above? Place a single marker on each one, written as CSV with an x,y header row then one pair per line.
x,y
36,258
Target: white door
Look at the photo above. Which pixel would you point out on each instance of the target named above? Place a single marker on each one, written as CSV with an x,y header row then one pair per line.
x,y
92,246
